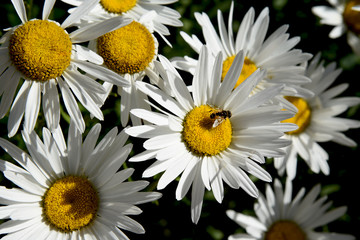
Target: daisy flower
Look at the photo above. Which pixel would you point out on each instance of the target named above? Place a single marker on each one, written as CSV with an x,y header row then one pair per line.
x,y
73,191
317,120
43,54
274,53
344,15
212,135
130,51
279,217
135,10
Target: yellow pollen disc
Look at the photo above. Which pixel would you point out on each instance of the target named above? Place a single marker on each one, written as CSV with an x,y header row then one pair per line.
x,y
285,230
352,17
70,203
129,49
248,68
40,50
200,135
117,6
302,117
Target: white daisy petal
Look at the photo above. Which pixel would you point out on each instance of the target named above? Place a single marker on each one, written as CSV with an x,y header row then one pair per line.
x,y
38,151
161,141
178,165
198,80
24,160
328,15
82,96
243,33
71,105
13,226
193,41
51,105
245,220
197,194
223,34
337,31
215,179
118,178
25,182
32,106
170,151
230,78
214,86
259,29
74,149
354,42
164,100
48,6
26,211
152,117
230,29
88,54
20,9
17,109
82,10
187,178
11,78
101,73
209,32
125,107
93,31
246,184
113,164
330,236
146,155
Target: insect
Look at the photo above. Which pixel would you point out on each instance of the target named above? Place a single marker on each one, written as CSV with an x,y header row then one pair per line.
x,y
219,116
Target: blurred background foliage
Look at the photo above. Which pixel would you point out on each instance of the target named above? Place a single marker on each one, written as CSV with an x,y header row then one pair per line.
x,y
170,219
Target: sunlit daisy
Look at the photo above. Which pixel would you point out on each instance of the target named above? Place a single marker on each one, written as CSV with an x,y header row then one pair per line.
x,y
130,51
345,17
274,53
279,217
72,191
213,135
317,120
134,9
43,54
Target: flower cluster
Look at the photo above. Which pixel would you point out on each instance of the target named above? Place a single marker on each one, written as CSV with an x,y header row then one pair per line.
x,y
236,109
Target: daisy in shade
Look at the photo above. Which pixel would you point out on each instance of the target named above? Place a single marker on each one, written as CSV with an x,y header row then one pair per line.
x,y
274,53
130,51
317,120
344,15
43,54
135,10
279,217
211,135
73,191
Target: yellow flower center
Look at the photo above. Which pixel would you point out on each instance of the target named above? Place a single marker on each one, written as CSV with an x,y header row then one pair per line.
x,y
129,49
205,134
351,17
285,230
40,50
70,203
248,68
117,6
302,117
